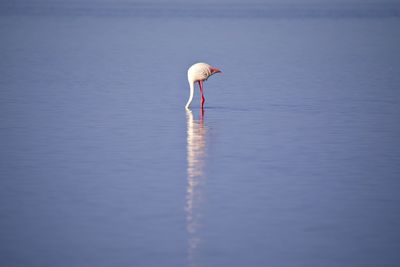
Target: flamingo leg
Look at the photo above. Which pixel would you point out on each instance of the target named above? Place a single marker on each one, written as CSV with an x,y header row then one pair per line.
x,y
202,94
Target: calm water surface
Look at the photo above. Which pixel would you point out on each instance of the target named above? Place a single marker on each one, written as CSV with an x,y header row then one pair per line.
x,y
294,162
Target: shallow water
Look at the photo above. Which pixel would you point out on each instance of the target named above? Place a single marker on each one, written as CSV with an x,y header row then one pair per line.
x,y
294,162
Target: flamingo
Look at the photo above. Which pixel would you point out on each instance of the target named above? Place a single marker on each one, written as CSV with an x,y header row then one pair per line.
x,y
199,72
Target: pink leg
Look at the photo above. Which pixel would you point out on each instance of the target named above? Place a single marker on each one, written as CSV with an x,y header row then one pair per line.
x,y
202,117
202,94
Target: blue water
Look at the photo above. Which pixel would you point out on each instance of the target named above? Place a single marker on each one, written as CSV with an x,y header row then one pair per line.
x,y
295,161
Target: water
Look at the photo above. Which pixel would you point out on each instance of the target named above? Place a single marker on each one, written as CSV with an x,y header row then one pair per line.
x,y
294,162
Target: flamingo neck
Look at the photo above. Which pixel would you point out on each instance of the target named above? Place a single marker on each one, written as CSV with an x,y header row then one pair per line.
x,y
191,95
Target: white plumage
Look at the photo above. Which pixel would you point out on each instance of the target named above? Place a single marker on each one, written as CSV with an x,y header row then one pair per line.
x,y
199,72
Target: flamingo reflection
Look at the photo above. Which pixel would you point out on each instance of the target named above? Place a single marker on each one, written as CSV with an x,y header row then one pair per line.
x,y
196,153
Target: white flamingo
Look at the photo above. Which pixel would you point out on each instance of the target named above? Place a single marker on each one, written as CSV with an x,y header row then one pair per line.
x,y
199,72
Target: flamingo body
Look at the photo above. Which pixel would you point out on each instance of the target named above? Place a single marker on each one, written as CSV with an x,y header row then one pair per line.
x,y
199,72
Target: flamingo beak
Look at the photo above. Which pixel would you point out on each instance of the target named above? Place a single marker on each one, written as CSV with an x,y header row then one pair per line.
x,y
215,70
